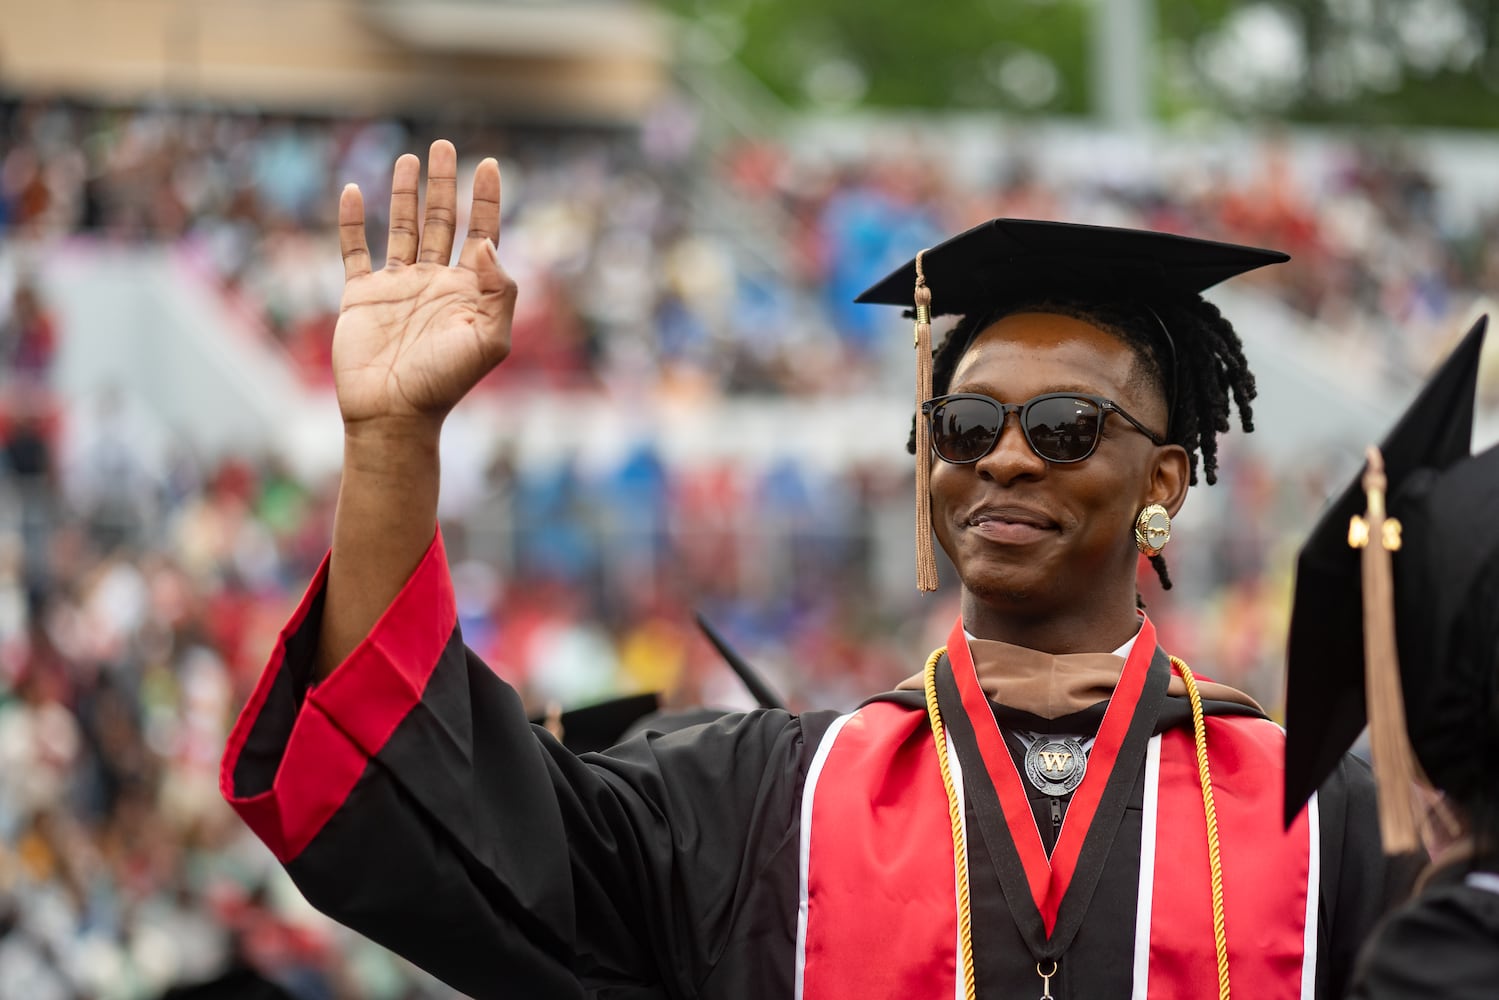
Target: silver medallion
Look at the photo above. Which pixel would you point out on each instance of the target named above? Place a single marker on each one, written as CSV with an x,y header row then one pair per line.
x,y
1055,767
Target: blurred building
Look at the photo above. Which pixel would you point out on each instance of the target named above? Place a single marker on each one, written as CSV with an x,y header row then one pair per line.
x,y
543,60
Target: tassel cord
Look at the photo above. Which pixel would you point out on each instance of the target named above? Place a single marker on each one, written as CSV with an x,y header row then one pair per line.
x,y
926,556
1393,759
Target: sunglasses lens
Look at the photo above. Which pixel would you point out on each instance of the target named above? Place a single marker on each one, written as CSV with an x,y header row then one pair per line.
x,y
1063,428
963,430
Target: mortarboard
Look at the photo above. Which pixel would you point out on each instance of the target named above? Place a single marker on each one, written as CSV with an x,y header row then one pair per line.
x,y
238,983
1007,260
602,725
1444,501
759,689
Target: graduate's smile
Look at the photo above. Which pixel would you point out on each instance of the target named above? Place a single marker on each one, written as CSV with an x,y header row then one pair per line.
x,y
1012,524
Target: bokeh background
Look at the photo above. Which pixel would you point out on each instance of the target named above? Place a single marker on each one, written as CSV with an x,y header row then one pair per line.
x,y
695,416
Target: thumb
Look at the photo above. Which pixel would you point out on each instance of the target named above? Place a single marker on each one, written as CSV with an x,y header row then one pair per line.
x,y
480,256
497,294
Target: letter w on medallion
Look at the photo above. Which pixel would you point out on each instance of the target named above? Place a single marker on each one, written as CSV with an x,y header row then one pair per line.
x,y
1055,766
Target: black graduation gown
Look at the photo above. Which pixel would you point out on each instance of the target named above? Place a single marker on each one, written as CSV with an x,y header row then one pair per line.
x,y
1444,943
472,843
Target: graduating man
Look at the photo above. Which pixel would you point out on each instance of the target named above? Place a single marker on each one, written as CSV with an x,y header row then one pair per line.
x,y
1052,806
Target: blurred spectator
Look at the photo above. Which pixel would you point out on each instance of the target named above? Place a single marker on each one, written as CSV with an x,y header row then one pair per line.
x,y
28,338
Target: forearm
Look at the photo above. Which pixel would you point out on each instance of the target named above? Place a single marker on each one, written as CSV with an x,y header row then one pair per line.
x,y
384,522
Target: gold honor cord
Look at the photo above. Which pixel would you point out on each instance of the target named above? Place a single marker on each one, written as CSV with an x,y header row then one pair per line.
x,y
955,813
960,848
1215,860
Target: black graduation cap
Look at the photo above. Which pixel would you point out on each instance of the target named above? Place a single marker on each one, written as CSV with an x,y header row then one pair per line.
x,y
759,689
602,725
1445,503
238,983
1003,259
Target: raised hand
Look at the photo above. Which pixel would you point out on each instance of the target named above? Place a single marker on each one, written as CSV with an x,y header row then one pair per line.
x,y
414,337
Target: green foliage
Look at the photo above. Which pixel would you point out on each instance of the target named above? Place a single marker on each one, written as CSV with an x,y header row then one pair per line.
x,y
894,53
1453,100
1033,56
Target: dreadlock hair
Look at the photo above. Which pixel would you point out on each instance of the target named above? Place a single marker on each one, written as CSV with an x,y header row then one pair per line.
x,y
1210,367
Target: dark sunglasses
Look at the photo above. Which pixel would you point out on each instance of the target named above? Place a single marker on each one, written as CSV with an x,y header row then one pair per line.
x,y
1059,426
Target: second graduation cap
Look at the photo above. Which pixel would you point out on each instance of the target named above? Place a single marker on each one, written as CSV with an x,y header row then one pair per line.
x,y
1445,502
600,726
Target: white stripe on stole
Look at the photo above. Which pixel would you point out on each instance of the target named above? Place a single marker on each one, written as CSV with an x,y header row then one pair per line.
x,y
1146,894
1313,896
955,767
1487,881
809,792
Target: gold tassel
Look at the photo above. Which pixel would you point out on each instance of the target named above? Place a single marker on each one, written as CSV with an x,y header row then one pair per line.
x,y
926,556
1395,768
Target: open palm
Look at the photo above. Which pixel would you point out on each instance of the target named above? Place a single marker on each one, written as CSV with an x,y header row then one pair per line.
x,y
415,336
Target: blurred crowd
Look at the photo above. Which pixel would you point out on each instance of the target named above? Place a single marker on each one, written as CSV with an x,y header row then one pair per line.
x,y
649,261
140,594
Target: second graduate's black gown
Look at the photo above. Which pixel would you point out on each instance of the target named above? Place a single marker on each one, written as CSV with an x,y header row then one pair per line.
x,y
1444,943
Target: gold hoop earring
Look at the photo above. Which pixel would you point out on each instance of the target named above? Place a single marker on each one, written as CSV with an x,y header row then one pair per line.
x,y
1152,529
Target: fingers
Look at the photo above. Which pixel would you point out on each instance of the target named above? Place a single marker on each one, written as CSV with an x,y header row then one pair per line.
x,y
442,203
432,242
404,237
479,254
351,238
484,215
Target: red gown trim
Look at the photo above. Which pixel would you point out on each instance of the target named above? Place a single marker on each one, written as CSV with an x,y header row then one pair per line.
x,y
1050,879
347,719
